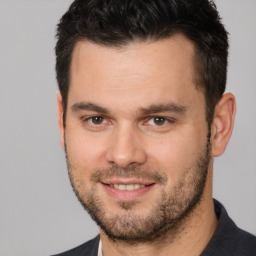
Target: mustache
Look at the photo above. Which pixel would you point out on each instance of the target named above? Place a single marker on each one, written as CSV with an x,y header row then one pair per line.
x,y
129,172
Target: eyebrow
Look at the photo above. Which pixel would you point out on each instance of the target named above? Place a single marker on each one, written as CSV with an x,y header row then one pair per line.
x,y
89,106
155,108
158,108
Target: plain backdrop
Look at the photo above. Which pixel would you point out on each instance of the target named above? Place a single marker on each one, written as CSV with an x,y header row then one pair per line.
x,y
39,214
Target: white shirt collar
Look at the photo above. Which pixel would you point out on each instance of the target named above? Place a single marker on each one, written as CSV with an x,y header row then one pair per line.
x,y
100,249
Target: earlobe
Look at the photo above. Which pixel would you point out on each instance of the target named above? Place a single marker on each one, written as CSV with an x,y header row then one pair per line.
x,y
60,118
223,122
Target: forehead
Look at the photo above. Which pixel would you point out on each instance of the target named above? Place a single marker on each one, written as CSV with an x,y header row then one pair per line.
x,y
135,73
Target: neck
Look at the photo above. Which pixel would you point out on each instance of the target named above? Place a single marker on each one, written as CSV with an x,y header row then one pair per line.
x,y
191,239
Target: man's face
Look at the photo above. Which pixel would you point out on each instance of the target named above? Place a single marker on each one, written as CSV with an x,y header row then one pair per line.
x,y
136,135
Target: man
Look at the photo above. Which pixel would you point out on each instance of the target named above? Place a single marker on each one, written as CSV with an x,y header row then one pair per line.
x,y
142,112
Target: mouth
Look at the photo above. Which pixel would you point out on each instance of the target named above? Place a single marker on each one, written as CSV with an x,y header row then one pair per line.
x,y
127,191
128,187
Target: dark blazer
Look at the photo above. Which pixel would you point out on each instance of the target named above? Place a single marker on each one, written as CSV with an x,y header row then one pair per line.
x,y
228,240
89,248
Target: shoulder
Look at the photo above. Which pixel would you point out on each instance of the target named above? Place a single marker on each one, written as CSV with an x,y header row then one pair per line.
x,y
244,242
228,238
235,242
89,248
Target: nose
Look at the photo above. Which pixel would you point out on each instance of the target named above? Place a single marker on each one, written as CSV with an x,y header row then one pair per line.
x,y
126,148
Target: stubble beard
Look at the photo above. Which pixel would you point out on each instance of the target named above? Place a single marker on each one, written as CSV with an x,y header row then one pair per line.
x,y
166,216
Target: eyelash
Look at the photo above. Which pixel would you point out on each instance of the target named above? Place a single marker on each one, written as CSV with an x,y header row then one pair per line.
x,y
88,120
165,119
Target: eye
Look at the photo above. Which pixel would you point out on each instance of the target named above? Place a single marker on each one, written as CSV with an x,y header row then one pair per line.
x,y
158,120
95,120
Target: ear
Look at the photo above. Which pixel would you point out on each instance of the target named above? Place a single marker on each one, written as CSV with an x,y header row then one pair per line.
x,y
60,119
223,122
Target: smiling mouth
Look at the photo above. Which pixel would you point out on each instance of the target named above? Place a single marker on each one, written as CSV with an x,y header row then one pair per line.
x,y
128,187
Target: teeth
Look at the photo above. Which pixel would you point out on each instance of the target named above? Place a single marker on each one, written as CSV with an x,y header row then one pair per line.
x,y
122,187
137,186
130,187
127,187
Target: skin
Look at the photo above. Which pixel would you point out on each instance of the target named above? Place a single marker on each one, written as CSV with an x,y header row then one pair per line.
x,y
127,82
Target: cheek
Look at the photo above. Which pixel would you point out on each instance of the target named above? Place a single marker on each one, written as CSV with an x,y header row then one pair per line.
x,y
84,152
83,159
175,153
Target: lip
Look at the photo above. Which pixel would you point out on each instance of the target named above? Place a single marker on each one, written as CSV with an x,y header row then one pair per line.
x,y
127,195
127,181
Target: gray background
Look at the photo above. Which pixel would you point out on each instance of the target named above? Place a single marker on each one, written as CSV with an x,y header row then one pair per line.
x,y
39,215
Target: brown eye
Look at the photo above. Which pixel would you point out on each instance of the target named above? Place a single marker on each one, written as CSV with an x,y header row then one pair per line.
x,y
97,120
159,120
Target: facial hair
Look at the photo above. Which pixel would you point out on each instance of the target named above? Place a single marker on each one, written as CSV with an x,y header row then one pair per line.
x,y
166,215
